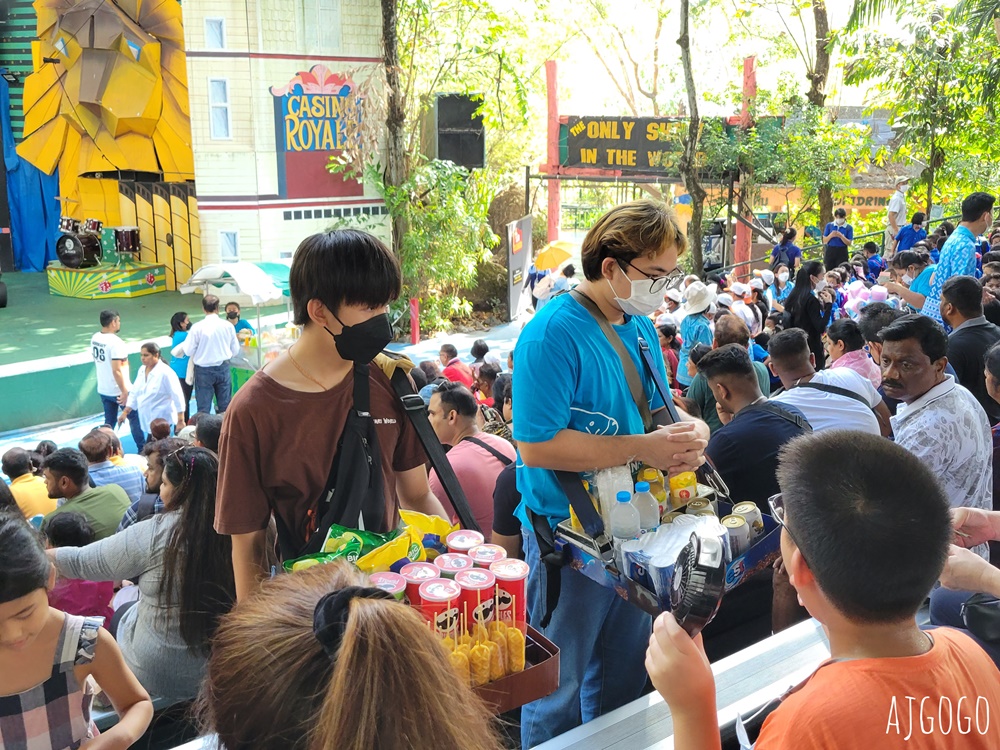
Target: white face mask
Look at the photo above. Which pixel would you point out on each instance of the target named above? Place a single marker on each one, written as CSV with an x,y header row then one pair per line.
x,y
821,285
840,222
783,277
903,188
907,279
640,301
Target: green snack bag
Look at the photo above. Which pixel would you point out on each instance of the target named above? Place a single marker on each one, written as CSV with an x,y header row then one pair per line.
x,y
345,547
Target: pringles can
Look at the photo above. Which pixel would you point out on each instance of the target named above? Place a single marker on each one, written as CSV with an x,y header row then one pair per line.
x,y
739,534
512,589
450,563
477,604
484,555
393,583
751,513
463,540
416,573
440,605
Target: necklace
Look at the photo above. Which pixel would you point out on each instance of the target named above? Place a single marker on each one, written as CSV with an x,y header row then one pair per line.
x,y
303,372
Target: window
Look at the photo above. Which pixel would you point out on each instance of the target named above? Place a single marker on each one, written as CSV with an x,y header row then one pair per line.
x,y
215,33
322,25
218,105
229,246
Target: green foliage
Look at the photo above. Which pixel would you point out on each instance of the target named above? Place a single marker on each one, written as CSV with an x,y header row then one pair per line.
x,y
448,235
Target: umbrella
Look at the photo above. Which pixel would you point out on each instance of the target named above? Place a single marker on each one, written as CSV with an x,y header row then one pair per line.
x,y
553,254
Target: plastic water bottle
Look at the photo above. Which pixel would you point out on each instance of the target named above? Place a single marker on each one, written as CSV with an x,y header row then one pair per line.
x,y
647,506
624,524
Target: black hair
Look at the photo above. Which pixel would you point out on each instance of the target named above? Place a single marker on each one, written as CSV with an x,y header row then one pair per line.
x,y
840,213
96,445
993,361
16,463
870,519
918,218
430,369
906,258
116,444
68,462
975,205
69,530
210,303
940,242
479,349
803,285
108,317
731,359
46,448
946,228
209,430
176,320
235,304
24,567
993,256
7,501
875,316
789,346
933,340
870,247
456,397
342,267
501,389
197,560
488,372
846,330
697,352
669,330
788,235
37,462
569,271
163,448
776,318
965,293
418,377
152,347
690,406
450,350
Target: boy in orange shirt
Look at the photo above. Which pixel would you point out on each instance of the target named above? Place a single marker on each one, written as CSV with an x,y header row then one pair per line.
x,y
865,535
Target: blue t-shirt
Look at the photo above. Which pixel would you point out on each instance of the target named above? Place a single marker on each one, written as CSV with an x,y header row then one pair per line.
x,y
908,237
922,284
695,329
847,230
179,364
780,295
757,352
958,258
242,325
568,376
792,251
876,265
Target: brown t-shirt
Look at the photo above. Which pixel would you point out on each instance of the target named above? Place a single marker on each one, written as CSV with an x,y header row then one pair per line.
x,y
277,446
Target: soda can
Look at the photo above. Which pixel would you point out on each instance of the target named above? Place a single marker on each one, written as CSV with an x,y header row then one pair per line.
x,y
696,506
739,534
463,540
439,605
416,573
706,512
661,572
636,563
751,513
669,517
477,603
512,580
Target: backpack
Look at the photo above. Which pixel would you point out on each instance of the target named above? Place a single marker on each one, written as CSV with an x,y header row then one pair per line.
x,y
782,257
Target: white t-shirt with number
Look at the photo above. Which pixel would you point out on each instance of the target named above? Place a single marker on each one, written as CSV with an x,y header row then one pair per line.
x,y
105,347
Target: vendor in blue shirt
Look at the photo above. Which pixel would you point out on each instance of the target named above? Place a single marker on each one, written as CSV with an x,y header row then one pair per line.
x,y
912,233
233,316
837,236
576,414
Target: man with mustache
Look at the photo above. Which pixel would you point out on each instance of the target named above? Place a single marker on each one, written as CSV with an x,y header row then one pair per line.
x,y
938,420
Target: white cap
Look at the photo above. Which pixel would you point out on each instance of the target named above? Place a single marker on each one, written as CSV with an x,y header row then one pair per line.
x,y
725,300
675,295
739,289
187,433
767,276
757,284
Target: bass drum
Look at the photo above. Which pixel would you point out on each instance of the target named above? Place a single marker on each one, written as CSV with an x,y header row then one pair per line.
x,y
79,250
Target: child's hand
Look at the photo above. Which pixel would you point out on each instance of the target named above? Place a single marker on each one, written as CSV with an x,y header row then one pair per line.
x,y
678,667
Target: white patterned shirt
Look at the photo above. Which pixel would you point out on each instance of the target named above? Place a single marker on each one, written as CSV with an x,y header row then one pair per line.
x,y
947,430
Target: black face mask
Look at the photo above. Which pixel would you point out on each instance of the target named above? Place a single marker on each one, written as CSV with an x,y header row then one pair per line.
x,y
360,343
233,315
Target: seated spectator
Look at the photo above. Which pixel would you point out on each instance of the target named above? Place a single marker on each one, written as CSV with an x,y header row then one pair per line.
x,y
874,262
434,379
845,347
96,446
67,482
496,419
670,345
333,628
159,429
864,537
46,448
49,657
118,455
75,596
476,456
419,378
697,352
455,369
993,388
7,501
151,503
481,354
745,448
939,421
28,490
484,384
916,270
834,399
185,576
728,330
208,431
970,338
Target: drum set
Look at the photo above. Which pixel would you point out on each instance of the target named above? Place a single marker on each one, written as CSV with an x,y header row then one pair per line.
x,y
80,244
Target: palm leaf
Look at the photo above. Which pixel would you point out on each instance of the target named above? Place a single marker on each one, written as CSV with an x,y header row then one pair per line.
x,y
867,12
976,14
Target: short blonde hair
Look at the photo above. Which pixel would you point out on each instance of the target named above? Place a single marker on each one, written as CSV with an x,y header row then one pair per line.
x,y
639,228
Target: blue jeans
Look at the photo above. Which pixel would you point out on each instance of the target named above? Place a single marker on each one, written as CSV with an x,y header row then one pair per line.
x,y
111,407
602,642
214,381
946,610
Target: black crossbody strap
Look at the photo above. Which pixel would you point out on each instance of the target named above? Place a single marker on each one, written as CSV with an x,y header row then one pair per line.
x,y
628,366
835,389
490,449
778,410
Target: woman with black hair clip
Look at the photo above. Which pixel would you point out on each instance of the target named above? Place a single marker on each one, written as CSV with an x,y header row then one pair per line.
x,y
185,577
808,311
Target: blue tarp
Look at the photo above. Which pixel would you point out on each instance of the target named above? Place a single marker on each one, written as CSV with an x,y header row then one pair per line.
x,y
31,194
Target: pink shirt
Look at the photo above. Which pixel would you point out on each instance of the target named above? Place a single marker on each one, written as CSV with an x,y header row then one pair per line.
x,y
477,470
862,364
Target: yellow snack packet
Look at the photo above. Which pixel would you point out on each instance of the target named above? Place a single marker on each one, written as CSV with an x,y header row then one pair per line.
x,y
405,546
432,530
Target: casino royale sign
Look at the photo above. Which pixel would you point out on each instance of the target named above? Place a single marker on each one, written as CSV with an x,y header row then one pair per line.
x,y
316,111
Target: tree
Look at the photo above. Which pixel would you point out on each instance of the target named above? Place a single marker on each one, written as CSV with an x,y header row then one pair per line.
x,y
395,158
688,163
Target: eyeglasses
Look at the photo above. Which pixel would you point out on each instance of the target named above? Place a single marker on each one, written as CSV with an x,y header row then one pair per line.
x,y
777,506
657,283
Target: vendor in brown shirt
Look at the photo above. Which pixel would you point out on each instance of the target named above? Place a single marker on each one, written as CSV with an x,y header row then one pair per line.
x,y
282,428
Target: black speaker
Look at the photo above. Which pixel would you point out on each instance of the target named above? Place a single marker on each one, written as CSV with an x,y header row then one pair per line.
x,y
459,133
